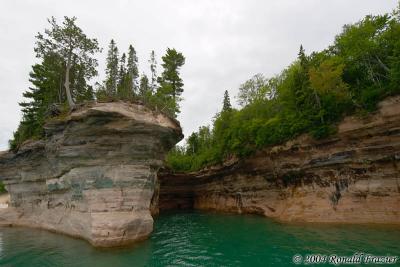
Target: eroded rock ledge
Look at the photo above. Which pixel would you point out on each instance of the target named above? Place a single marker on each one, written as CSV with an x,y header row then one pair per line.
x,y
94,176
352,177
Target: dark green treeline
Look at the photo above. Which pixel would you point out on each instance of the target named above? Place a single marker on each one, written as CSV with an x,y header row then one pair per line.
x,y
359,69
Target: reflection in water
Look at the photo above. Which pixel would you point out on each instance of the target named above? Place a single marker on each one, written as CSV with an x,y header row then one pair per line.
x,y
201,239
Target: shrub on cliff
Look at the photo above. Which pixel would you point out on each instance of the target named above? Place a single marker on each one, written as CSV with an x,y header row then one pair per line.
x,y
2,188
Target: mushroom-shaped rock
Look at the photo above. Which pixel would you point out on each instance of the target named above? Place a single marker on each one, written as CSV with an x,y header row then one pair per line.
x,y
94,174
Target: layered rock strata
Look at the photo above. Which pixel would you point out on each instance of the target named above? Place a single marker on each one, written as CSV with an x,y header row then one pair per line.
x,y
352,177
94,174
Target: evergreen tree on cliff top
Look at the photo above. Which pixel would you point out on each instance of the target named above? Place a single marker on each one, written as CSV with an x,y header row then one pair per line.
x,y
47,86
112,62
226,105
153,69
66,66
145,91
170,88
170,79
121,87
72,46
132,70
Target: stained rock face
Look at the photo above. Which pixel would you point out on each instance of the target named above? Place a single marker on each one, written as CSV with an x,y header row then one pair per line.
x,y
93,176
352,177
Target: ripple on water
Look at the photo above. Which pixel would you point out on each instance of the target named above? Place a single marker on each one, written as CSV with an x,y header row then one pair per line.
x,y
200,239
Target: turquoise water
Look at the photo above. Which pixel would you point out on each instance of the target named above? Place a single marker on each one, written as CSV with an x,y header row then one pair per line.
x,y
201,239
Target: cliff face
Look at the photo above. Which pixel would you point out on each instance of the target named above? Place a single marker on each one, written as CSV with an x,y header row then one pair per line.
x,y
352,177
93,176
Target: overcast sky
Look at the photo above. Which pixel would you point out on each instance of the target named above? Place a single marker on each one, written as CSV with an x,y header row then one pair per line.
x,y
225,42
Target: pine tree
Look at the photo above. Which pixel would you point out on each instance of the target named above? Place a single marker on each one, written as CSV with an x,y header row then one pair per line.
x,y
81,90
192,144
153,69
144,88
300,89
132,70
302,56
46,79
167,96
123,91
112,69
170,80
226,106
73,47
122,70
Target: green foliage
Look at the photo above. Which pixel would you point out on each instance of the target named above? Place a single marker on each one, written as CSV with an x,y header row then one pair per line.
x,y
124,87
47,89
170,80
162,101
369,50
153,69
167,96
310,96
2,188
255,89
74,48
111,81
67,64
226,104
124,84
132,72
63,73
145,90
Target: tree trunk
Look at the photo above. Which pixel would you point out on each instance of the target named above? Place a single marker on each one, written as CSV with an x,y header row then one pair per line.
x,y
67,89
382,64
60,91
319,104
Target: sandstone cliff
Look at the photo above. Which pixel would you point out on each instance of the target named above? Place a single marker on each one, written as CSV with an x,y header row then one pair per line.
x,y
352,177
94,174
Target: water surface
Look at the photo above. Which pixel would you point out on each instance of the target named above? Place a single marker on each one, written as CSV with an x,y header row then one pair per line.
x,y
201,239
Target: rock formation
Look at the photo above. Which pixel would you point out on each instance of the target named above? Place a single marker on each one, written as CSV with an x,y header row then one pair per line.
x,y
352,177
94,174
